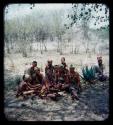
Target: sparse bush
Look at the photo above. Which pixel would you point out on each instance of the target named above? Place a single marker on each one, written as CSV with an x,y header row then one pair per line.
x,y
12,82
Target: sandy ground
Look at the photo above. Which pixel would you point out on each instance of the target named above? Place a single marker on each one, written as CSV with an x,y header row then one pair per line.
x,y
78,60
93,105
94,100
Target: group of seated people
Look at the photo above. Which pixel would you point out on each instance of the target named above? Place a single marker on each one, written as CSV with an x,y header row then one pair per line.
x,y
57,78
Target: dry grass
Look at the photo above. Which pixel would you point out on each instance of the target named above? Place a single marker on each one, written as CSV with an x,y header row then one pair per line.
x,y
21,63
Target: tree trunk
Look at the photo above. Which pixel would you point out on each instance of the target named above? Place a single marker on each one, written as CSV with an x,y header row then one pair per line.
x,y
87,50
23,48
24,53
30,47
94,51
61,49
41,49
45,48
72,50
75,51
37,46
8,50
58,47
12,63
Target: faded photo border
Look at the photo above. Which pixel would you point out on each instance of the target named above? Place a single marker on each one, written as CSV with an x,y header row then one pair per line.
x,y
3,54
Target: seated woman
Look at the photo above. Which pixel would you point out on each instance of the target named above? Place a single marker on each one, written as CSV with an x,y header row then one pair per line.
x,y
63,62
99,70
39,78
62,78
31,83
49,71
74,80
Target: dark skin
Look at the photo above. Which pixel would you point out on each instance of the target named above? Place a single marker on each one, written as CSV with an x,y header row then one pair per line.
x,y
63,73
34,65
63,62
38,71
28,82
75,75
39,76
49,63
32,71
99,62
56,73
49,70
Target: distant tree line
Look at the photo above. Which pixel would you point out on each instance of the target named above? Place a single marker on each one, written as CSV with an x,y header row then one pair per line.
x,y
39,27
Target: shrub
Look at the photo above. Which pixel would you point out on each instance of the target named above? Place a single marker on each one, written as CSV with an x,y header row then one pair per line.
x,y
12,82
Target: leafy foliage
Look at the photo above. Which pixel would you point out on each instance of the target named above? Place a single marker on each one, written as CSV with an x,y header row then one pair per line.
x,y
85,13
88,73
